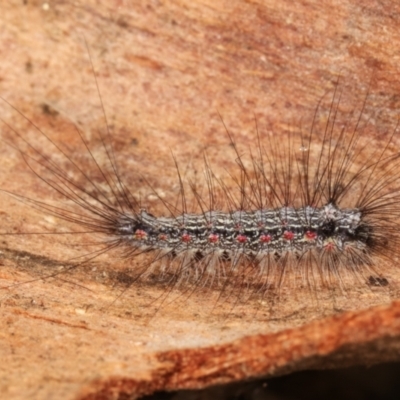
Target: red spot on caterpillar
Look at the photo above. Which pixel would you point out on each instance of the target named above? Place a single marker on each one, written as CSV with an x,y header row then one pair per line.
x,y
310,235
186,238
288,235
330,246
213,238
162,236
241,238
265,238
140,234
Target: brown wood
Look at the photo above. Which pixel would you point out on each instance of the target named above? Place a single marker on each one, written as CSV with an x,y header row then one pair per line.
x,y
166,71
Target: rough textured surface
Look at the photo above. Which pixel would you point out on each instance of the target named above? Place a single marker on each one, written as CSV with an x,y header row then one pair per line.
x,y
166,71
334,342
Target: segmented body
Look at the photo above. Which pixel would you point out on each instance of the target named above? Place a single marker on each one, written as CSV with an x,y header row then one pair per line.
x,y
275,231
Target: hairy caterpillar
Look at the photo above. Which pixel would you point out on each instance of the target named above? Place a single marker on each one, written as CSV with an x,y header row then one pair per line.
x,y
315,210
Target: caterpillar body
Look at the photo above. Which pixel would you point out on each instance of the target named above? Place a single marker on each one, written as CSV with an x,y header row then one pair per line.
x,y
316,210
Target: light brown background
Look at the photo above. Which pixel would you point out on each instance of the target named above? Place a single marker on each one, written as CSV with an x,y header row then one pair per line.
x,y
166,70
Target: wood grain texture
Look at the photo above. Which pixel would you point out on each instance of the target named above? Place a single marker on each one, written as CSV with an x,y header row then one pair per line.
x,y
166,70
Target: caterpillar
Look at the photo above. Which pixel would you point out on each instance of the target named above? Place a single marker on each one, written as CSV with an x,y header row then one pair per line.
x,y
314,211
